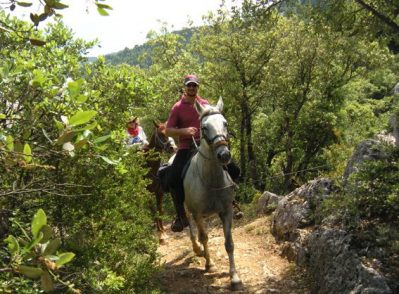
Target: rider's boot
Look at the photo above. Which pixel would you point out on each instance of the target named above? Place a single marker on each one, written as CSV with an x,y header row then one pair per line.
x,y
181,221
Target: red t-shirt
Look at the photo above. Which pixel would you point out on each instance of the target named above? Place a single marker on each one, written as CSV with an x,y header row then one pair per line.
x,y
184,115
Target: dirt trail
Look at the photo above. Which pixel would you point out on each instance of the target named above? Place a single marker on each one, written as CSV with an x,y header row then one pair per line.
x,y
258,262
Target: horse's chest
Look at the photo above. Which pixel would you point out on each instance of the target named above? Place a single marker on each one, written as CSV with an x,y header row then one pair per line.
x,y
207,189
210,201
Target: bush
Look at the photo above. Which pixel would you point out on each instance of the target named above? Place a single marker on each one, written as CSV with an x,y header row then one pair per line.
x,y
376,192
34,255
111,229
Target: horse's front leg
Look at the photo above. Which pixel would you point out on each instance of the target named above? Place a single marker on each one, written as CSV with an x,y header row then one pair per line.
x,y
160,229
203,238
227,220
193,235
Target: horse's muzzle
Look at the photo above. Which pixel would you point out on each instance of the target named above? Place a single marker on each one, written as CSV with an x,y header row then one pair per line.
x,y
223,154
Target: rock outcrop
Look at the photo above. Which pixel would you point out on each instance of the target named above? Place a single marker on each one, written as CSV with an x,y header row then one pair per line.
x,y
267,203
321,244
369,149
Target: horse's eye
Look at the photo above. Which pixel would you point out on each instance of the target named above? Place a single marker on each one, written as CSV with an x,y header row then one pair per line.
x,y
226,124
204,128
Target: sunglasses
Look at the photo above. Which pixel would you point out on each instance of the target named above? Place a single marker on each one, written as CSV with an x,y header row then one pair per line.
x,y
191,85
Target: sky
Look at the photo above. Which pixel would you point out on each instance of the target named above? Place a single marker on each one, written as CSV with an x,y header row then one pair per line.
x,y
130,20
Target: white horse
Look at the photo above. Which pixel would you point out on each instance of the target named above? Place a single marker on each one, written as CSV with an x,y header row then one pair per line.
x,y
208,187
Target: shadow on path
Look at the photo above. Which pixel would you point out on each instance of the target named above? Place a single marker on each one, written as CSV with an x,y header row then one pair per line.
x,y
258,262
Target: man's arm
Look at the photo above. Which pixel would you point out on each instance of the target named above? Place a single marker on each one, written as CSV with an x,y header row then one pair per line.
x,y
174,132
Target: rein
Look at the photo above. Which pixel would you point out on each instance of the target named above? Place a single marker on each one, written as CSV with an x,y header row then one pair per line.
x,y
164,143
223,142
210,141
198,150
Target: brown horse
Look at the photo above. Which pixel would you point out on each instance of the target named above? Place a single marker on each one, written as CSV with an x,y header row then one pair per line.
x,y
158,143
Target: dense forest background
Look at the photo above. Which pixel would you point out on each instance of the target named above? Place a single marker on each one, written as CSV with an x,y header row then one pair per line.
x,y
303,83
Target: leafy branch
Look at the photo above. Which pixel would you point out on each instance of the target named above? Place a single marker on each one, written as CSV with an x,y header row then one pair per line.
x,y
36,255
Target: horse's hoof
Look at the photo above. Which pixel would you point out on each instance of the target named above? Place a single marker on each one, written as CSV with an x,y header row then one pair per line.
x,y
162,238
237,286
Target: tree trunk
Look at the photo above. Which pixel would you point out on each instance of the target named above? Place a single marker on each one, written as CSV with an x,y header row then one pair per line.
x,y
288,167
251,154
243,161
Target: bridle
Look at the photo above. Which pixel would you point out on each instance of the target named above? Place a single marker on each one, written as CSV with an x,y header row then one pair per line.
x,y
224,141
165,142
211,142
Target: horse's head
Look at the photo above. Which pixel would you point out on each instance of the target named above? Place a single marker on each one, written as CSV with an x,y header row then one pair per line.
x,y
161,141
214,130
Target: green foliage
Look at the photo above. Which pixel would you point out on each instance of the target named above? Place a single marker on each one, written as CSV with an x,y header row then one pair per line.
x,y
372,193
377,189
144,55
246,193
61,146
297,86
112,232
286,79
374,19
50,8
105,280
35,256
368,208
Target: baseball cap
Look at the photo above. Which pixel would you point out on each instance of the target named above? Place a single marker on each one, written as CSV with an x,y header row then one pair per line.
x,y
190,79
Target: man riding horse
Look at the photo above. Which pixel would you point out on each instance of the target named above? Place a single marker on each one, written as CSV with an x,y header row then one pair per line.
x,y
184,123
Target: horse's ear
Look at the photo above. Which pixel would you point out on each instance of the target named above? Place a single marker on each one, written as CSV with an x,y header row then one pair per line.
x,y
200,109
220,104
155,124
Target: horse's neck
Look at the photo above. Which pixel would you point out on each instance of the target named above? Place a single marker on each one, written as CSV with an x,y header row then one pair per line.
x,y
209,168
153,160
206,152
151,144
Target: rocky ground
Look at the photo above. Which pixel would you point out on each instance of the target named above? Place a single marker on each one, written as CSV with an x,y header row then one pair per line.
x,y
258,261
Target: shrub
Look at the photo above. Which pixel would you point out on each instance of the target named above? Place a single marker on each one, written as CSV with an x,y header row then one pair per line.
x,y
34,256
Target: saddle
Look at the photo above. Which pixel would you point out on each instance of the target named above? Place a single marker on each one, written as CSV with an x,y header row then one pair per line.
x,y
164,169
162,175
185,168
